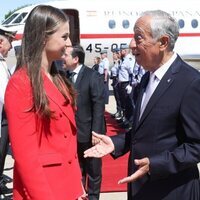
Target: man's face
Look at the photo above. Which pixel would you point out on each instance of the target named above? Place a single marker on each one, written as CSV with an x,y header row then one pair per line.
x,y
5,45
69,61
115,56
103,55
147,51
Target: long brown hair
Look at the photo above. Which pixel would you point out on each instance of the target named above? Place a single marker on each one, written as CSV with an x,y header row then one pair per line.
x,y
42,22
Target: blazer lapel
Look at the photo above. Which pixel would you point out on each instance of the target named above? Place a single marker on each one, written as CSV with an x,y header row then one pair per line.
x,y
55,95
162,87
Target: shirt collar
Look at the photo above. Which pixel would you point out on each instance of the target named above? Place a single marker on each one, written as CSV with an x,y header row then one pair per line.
x,y
1,57
160,72
77,69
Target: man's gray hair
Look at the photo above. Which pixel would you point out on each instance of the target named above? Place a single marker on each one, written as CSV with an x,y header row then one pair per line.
x,y
163,24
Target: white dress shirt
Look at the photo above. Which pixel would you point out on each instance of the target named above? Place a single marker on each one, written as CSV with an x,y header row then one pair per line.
x,y
77,70
154,79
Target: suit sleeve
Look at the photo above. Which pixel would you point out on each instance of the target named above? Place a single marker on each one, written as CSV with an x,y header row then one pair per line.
x,y
122,144
24,140
187,154
98,106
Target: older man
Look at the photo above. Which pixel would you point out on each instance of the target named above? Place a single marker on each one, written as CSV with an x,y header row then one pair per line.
x,y
164,143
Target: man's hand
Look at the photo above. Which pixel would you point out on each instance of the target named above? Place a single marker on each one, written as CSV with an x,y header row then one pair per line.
x,y
103,146
143,168
95,140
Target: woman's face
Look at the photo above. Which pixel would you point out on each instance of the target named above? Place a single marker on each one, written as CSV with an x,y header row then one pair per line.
x,y
57,42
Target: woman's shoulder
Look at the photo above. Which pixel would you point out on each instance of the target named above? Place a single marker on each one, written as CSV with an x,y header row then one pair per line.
x,y
20,75
19,79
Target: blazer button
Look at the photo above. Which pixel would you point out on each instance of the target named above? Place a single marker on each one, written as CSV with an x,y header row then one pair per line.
x,y
65,136
60,115
70,162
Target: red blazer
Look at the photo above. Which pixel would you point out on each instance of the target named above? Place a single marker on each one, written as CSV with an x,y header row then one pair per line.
x,y
45,151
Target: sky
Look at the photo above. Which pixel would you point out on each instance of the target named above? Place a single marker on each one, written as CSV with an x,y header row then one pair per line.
x,y
10,5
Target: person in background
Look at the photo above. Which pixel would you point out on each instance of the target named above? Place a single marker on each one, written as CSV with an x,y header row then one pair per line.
x,y
96,63
6,38
125,77
89,115
138,72
104,71
40,106
164,142
115,82
17,50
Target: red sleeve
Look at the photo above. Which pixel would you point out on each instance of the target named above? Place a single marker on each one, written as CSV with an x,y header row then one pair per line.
x,y
23,137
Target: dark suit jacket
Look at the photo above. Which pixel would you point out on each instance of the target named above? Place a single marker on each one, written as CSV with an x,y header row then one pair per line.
x,y
90,104
168,133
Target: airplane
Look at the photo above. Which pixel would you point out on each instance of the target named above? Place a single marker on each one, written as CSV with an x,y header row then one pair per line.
x,y
108,24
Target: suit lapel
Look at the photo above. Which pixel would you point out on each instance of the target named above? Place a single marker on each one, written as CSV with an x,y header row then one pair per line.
x,y
162,87
55,95
143,85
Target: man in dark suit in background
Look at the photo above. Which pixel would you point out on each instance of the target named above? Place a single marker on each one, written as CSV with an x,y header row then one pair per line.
x,y
89,115
164,143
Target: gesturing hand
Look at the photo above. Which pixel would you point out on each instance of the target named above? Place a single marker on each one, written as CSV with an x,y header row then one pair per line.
x,y
103,147
143,168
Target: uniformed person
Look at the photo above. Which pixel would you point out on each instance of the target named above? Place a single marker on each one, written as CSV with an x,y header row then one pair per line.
x,y
115,81
104,71
138,70
125,80
6,38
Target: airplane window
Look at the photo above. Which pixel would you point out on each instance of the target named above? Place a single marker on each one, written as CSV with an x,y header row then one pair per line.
x,y
125,23
181,23
194,23
20,18
7,21
111,23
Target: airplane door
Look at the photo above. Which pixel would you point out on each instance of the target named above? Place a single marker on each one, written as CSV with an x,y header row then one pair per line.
x,y
74,25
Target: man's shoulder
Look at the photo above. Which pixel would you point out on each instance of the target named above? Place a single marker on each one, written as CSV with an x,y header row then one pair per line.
x,y
189,70
90,70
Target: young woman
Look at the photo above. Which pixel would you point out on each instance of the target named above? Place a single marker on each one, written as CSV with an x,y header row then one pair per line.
x,y
40,109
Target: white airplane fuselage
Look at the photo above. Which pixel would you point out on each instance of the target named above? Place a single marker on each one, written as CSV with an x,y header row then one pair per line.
x,y
101,24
